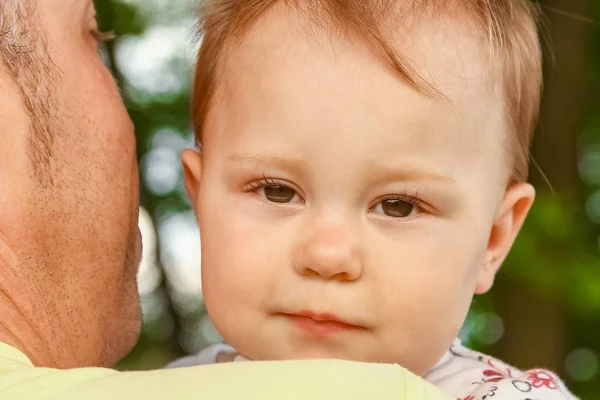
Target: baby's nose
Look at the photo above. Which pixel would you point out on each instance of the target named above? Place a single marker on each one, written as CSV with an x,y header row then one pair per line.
x,y
330,254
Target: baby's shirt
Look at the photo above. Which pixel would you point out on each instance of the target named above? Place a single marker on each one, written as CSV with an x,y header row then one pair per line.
x,y
463,373
470,375
211,355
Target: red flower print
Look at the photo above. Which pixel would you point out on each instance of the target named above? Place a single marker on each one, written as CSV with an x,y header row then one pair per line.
x,y
540,377
467,398
491,375
495,373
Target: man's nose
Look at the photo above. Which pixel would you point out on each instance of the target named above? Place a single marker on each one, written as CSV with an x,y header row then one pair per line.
x,y
329,252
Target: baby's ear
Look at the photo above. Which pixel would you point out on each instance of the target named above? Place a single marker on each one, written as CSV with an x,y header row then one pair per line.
x,y
192,169
511,215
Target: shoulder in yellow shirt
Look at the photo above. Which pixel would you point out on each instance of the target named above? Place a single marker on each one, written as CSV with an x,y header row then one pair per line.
x,y
290,380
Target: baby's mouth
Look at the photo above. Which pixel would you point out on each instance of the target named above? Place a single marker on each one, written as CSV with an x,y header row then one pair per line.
x,y
320,324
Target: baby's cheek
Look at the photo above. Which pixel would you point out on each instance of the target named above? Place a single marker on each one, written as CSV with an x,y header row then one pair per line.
x,y
450,299
429,300
226,288
228,314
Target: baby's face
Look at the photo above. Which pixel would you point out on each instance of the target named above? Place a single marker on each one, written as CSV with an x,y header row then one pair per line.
x,y
343,214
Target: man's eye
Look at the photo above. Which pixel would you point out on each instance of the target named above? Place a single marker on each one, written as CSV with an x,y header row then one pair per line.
x,y
280,194
103,36
398,208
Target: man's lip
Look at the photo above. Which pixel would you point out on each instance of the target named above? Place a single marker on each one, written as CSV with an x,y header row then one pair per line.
x,y
139,246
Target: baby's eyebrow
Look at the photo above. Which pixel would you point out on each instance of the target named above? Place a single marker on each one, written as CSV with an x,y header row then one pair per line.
x,y
381,172
406,172
280,161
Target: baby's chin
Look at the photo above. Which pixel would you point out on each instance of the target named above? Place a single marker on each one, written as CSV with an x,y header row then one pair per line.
x,y
417,365
350,345
307,353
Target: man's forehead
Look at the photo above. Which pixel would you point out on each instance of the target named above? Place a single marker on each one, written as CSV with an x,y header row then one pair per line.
x,y
81,3
73,3
61,18
64,6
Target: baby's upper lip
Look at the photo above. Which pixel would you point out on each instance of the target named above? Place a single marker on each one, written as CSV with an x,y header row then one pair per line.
x,y
324,317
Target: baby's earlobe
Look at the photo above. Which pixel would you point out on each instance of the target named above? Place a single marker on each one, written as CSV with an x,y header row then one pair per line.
x,y
192,171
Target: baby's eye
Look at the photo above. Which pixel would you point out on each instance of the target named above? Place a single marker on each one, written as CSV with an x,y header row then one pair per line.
x,y
398,208
274,191
279,193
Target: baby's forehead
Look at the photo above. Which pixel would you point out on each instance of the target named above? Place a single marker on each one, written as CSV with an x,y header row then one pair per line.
x,y
482,57
282,72
442,54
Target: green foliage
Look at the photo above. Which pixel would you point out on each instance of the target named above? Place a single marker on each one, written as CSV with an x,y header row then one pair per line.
x,y
556,251
121,18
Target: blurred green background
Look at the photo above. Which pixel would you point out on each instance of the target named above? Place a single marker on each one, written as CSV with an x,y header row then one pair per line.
x,y
545,307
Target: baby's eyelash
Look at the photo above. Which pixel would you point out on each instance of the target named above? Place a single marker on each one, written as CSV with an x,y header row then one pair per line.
x,y
405,195
410,197
264,181
414,199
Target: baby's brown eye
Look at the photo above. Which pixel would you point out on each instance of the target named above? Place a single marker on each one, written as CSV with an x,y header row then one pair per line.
x,y
397,208
279,193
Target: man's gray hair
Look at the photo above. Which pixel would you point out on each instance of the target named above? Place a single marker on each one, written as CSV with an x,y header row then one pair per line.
x,y
23,52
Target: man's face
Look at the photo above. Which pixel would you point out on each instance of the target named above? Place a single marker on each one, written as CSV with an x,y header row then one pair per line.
x,y
69,220
343,214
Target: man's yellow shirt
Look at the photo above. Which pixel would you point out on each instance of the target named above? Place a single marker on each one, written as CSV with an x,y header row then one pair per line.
x,y
289,380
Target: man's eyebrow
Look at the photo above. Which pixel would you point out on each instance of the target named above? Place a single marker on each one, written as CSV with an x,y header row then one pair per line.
x,y
86,6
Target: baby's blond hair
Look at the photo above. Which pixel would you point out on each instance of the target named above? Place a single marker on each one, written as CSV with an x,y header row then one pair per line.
x,y
508,28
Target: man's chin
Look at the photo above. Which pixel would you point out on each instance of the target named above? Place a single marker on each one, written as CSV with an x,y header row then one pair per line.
x,y
125,337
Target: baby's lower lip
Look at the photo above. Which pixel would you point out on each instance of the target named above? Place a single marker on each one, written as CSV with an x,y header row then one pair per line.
x,y
319,328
